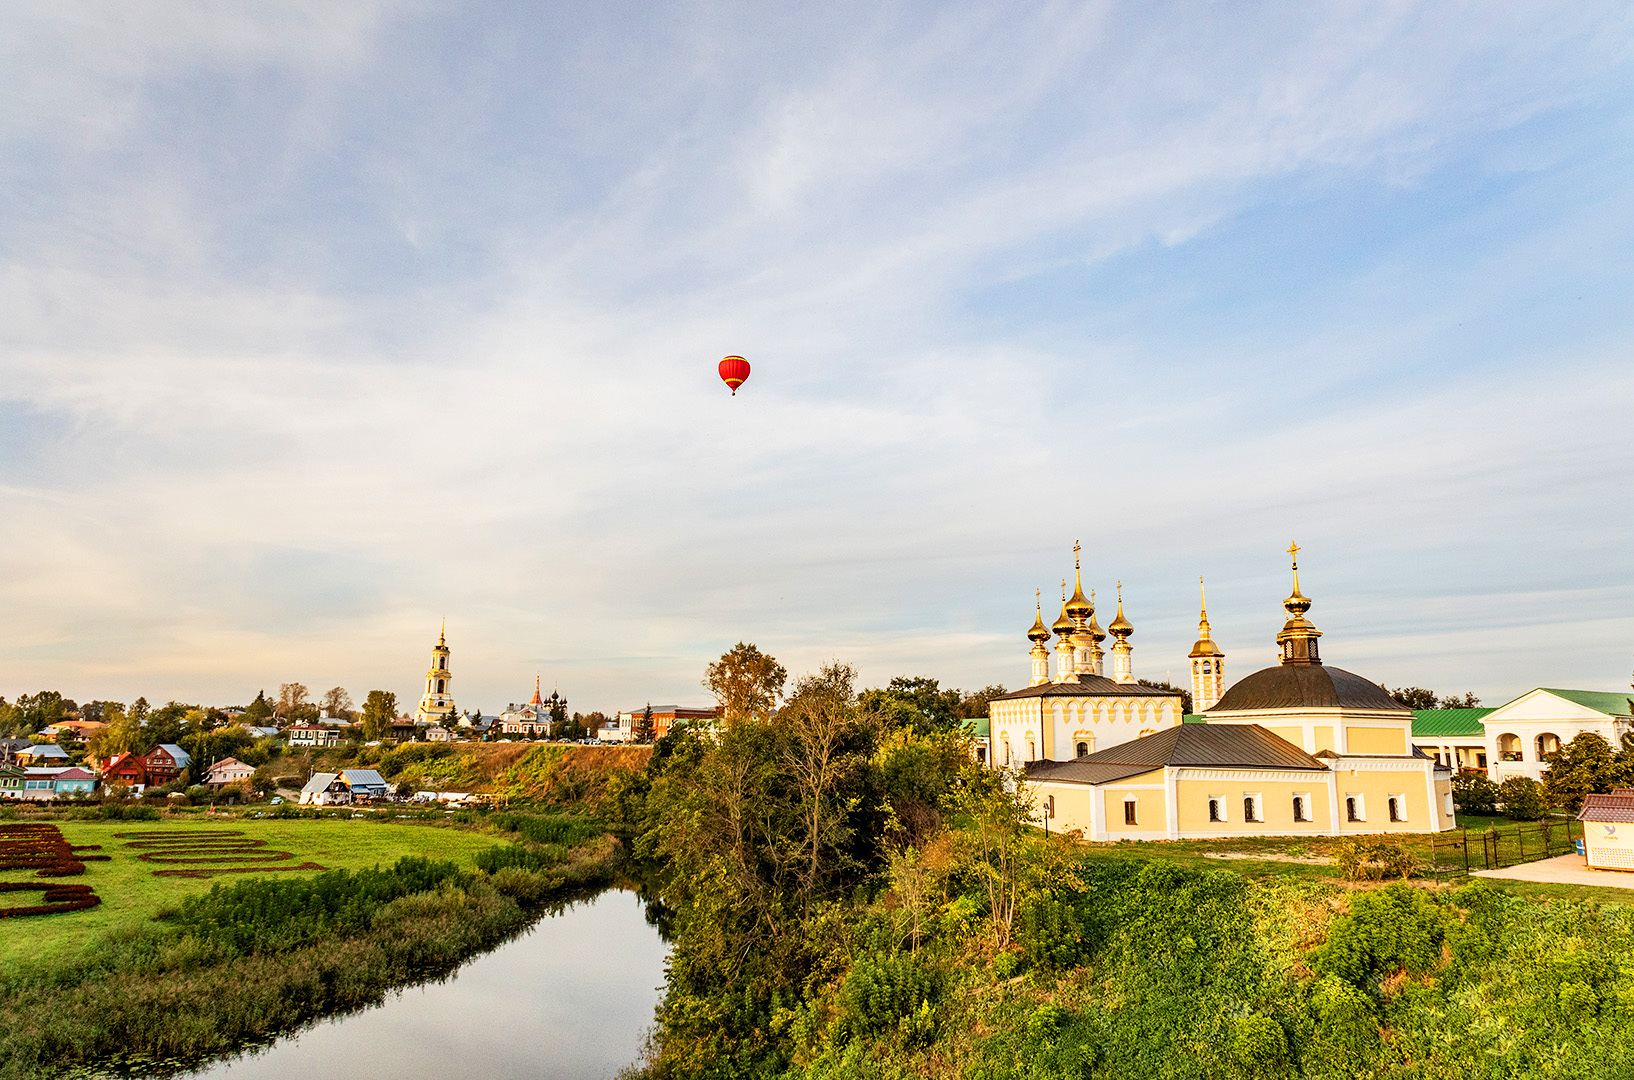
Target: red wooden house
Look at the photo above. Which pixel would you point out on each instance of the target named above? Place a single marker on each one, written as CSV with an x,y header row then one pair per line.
x,y
128,769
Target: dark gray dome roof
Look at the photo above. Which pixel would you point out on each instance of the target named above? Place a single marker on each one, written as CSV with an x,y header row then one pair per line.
x,y
1294,686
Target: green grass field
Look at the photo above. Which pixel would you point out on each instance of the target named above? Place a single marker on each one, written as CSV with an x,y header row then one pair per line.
x,y
130,892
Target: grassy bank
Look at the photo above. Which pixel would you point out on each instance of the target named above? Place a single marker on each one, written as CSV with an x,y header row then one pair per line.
x,y
130,892
191,969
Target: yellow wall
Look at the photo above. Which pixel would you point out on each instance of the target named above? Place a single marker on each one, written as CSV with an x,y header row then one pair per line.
x,y
1324,738
1295,735
1150,812
1375,740
1376,789
1276,805
1072,805
1609,845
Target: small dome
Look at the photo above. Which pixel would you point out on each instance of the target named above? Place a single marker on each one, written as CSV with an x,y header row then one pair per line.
x,y
1064,625
1205,647
1120,626
1039,632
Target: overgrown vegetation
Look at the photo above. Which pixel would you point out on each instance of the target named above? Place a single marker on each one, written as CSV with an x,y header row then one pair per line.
x,y
854,898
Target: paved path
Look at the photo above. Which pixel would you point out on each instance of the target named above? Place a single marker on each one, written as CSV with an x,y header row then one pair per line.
x,y
1564,870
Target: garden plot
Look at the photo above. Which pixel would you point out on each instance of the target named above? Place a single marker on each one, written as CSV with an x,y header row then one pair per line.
x,y
198,854
41,847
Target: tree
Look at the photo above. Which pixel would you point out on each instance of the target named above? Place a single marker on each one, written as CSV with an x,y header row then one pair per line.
x,y
1474,793
917,702
1522,798
338,704
746,682
119,737
644,730
973,706
1185,695
258,710
379,710
1414,697
1585,766
291,696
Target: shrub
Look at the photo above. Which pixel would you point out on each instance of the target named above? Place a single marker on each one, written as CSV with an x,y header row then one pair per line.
x,y
881,992
1522,798
1396,928
1474,793
1260,1046
1050,933
1363,858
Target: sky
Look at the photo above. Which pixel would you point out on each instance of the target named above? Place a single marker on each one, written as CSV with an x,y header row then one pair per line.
x,y
321,323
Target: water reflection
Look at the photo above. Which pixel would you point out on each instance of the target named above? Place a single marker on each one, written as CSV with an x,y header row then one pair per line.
x,y
569,999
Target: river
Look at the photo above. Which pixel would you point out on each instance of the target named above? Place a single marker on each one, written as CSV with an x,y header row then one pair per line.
x,y
568,999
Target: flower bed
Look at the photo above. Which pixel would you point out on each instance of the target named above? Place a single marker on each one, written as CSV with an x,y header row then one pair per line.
x,y
42,848
199,853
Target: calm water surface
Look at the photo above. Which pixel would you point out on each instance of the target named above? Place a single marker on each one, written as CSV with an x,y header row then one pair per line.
x,y
569,999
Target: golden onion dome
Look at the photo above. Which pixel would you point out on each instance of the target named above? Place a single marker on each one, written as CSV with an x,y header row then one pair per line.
x,y
1039,632
1205,647
1120,626
1094,628
1079,606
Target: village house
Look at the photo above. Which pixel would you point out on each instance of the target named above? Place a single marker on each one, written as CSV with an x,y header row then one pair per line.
x,y
166,763
325,789
438,733
315,735
11,781
129,769
364,783
57,783
227,771
1521,732
664,717
43,754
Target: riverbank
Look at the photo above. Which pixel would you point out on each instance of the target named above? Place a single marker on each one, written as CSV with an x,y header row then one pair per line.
x,y
229,965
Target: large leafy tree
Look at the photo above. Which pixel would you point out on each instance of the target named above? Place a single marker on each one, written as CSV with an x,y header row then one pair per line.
x,y
1585,766
918,702
379,709
746,682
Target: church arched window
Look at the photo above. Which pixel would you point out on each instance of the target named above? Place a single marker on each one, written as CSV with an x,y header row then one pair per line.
x,y
1083,749
439,686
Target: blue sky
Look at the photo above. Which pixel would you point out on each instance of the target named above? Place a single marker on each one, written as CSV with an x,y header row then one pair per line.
x,y
319,323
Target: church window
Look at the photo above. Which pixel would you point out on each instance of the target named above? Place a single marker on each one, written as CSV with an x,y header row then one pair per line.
x,y
1216,808
1398,808
439,686
1302,808
1083,749
1032,750
1354,810
1007,753
1251,808
1129,812
1206,668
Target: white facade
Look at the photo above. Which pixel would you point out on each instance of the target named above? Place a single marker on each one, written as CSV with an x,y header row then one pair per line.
x,y
1520,733
1058,726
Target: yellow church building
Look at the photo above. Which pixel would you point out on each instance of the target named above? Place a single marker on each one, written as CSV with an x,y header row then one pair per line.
x,y
1300,748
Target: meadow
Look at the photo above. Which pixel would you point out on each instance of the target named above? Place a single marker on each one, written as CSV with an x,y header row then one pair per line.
x,y
131,893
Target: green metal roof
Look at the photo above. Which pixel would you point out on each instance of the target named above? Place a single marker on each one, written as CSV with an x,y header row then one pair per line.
x,y
1194,718
1598,700
980,726
1449,723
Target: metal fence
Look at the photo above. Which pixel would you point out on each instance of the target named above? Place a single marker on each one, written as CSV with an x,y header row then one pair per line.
x,y
1464,852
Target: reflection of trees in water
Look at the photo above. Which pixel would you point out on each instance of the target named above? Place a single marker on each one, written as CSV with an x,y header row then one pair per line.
x,y
643,881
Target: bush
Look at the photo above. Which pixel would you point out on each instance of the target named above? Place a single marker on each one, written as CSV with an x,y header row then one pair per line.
x,y
1050,934
1260,1046
1396,928
882,993
1474,793
1522,798
1363,858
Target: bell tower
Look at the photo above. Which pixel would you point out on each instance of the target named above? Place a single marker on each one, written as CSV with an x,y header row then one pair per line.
x,y
1039,635
1207,662
437,705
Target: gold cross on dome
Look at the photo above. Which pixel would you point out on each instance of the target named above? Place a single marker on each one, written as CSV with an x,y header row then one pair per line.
x,y
1293,553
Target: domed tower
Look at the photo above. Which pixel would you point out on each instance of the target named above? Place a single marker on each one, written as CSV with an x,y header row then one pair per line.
x,y
1065,667
1123,667
1039,635
1079,609
1096,636
1298,637
437,706
1207,661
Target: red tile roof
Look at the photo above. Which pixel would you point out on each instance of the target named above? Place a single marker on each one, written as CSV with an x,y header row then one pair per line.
x,y
1607,808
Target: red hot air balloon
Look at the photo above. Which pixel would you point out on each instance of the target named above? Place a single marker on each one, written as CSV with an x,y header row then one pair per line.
x,y
734,370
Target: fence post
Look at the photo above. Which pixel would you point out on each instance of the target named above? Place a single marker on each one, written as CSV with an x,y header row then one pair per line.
x,y
1466,851
1520,841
